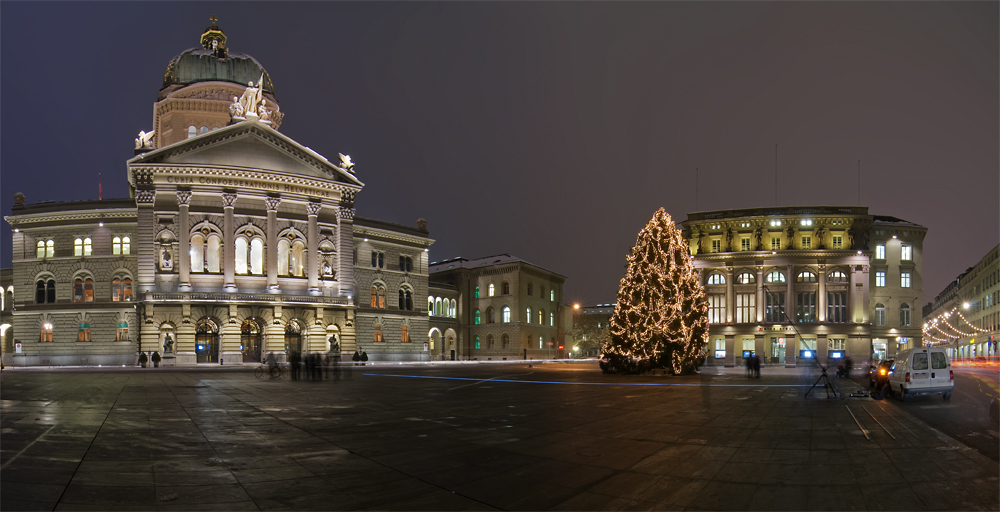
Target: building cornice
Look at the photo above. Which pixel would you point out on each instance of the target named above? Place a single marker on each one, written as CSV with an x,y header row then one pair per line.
x,y
101,215
147,174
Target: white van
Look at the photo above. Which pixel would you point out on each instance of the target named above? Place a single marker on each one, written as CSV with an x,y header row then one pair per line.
x,y
922,371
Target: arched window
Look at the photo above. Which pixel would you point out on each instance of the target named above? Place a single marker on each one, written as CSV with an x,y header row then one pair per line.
x,y
250,340
257,257
78,290
378,296
213,254
506,314
242,248
204,129
477,317
476,293
806,277
40,249
83,334
541,317
490,315
454,308
430,306
437,306
491,290
296,261
78,247
405,336
88,246
529,288
552,319
293,336
504,341
746,278
489,341
880,314
505,288
116,245
46,334
192,131
50,249
121,289
197,253
552,295
527,318
716,279
776,276
284,247
837,277
904,315
88,290
405,299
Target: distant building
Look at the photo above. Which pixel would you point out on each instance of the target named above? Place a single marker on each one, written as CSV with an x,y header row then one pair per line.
x,y
591,325
965,317
507,309
805,281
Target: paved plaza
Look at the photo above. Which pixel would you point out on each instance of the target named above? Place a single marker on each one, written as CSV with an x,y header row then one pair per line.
x,y
469,437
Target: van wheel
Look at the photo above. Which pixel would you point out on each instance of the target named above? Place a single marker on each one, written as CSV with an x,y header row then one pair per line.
x,y
946,395
902,394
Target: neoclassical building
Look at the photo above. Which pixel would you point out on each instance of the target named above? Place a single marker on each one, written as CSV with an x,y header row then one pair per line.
x,y
965,316
236,241
780,281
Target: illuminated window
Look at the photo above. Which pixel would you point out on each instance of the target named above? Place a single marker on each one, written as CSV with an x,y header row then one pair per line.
x,y
213,254
880,252
527,318
745,243
491,290
377,335
477,317
880,278
437,306
204,129
454,309
506,314
880,314
284,248
806,277
775,243
78,247
242,248
805,311
430,306
192,131
807,242
50,249
907,253
904,279
126,245
405,336
776,276
904,315
541,317
40,249
716,279
838,242
552,295
745,308
717,308
476,293
257,257
477,342
836,308
775,310
716,245
122,334
46,334
552,319
296,262
83,290
83,334
88,247
197,253
745,278
837,277
116,245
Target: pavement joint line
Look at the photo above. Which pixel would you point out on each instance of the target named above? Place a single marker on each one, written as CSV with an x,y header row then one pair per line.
x,y
879,423
591,383
481,381
18,454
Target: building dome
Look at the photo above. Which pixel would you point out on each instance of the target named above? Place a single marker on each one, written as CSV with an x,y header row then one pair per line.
x,y
214,63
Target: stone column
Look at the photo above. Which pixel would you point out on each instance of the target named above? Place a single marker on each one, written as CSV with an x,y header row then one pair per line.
x,y
312,258
229,353
229,244
146,223
345,248
184,241
761,304
274,339
730,299
821,293
791,345
184,349
272,243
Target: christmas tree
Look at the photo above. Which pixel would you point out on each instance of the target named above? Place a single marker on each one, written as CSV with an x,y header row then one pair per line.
x,y
661,319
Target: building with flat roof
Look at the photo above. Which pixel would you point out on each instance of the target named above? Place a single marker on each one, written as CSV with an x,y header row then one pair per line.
x,y
965,317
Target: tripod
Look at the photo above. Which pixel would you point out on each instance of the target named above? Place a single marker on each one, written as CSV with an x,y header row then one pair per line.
x,y
826,382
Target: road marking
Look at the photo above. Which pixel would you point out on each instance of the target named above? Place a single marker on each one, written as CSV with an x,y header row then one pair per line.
x,y
589,383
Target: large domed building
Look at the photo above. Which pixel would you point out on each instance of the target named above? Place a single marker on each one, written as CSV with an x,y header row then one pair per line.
x,y
237,241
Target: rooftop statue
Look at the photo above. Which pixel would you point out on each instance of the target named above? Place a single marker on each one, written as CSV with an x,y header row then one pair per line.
x,y
251,103
145,140
346,163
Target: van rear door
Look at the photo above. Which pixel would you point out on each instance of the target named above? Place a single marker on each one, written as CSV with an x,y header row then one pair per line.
x,y
920,370
940,370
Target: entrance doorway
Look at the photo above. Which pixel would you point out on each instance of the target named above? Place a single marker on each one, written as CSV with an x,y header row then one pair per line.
x,y
250,341
777,350
293,337
206,341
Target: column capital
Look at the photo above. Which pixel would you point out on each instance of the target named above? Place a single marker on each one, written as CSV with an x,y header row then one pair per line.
x,y
347,198
145,196
183,197
313,208
272,203
345,213
229,199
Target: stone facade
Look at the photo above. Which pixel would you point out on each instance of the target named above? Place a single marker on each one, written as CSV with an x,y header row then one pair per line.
x,y
965,316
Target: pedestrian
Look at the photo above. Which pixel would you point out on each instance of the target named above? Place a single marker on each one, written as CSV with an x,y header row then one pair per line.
x,y
847,367
294,360
317,366
326,366
310,364
749,366
756,366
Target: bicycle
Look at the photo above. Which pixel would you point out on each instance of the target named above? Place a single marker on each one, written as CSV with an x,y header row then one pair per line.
x,y
275,372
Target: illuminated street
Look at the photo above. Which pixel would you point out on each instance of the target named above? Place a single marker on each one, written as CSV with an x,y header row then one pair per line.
x,y
472,436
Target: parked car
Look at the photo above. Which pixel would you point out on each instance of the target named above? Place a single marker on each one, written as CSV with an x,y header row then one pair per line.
x,y
921,371
878,378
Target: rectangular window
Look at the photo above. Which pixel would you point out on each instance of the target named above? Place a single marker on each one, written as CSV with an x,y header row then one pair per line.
x,y
775,310
907,253
904,279
775,243
805,311
84,333
745,308
880,252
745,243
477,342
880,278
904,317
122,331
837,344
541,342
716,245
880,316
717,309
807,242
838,242
836,307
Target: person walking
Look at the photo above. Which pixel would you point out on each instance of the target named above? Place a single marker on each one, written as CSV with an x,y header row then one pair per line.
x,y
749,365
756,366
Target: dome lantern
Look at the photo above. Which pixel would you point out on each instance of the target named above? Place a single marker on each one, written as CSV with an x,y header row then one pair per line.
x,y
214,39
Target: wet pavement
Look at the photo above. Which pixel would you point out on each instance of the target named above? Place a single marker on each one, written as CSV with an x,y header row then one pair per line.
x,y
469,437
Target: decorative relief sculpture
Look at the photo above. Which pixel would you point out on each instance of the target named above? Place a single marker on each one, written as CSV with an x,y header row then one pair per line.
x,y
144,140
313,207
272,203
346,163
183,197
145,196
228,200
251,104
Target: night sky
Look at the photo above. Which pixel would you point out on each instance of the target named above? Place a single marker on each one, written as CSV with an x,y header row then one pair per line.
x,y
551,131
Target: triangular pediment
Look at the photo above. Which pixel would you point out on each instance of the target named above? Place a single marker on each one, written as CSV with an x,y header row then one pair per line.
x,y
248,145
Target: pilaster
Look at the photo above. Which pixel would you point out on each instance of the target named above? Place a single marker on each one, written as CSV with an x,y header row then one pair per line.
x,y
272,243
145,259
312,258
229,243
184,240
